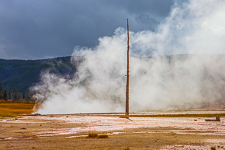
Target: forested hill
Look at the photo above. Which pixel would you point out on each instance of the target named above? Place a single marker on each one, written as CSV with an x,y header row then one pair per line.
x,y
22,74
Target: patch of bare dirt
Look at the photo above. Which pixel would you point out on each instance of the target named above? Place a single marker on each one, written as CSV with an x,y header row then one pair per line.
x,y
71,132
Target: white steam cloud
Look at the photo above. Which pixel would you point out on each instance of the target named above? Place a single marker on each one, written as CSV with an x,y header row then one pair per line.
x,y
196,28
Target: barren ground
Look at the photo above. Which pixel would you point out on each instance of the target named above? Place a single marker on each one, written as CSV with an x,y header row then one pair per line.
x,y
71,132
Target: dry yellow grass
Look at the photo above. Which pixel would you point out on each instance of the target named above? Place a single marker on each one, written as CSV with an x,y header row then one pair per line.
x,y
13,109
96,135
92,134
103,136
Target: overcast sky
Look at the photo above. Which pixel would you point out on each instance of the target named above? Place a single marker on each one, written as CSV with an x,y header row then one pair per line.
x,y
32,29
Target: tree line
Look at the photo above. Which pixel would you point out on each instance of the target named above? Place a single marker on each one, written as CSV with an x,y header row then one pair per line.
x,y
15,96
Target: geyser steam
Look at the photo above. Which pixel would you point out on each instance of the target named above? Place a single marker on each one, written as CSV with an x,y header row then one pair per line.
x,y
195,29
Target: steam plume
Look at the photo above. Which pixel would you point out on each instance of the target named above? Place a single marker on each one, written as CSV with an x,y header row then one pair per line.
x,y
179,66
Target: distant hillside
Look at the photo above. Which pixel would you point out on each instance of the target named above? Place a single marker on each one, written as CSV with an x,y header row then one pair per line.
x,y
22,74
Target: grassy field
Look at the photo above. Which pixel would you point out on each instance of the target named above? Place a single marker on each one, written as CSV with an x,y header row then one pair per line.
x,y
13,109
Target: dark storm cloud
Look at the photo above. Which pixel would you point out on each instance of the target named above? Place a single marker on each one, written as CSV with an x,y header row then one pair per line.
x,y
38,29
155,7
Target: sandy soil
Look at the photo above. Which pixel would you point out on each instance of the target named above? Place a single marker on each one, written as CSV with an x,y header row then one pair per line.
x,y
71,132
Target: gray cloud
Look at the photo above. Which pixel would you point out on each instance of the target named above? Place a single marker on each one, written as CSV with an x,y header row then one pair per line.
x,y
39,29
